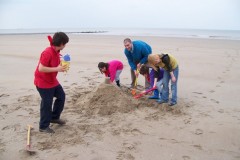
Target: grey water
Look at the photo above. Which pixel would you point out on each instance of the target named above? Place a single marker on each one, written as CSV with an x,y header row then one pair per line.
x,y
159,32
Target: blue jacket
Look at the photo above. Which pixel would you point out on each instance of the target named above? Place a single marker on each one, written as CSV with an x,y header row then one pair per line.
x,y
141,50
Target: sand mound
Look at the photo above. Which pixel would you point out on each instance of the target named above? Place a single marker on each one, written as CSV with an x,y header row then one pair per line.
x,y
106,100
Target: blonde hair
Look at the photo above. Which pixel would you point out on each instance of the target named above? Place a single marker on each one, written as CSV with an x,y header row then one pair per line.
x,y
152,60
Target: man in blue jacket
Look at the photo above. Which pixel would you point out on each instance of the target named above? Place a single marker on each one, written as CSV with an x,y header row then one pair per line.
x,y
137,54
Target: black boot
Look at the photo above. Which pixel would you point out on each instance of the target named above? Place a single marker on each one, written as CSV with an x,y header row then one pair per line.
x,y
118,83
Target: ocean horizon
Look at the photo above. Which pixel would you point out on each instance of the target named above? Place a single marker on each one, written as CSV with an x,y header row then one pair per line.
x,y
159,32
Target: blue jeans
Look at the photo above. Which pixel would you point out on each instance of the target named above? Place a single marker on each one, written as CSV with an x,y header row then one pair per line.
x,y
165,91
47,113
159,87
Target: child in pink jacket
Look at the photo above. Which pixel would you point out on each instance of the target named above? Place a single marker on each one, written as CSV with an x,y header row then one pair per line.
x,y
111,69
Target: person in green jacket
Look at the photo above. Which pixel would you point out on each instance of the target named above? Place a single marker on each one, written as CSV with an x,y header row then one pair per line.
x,y
171,70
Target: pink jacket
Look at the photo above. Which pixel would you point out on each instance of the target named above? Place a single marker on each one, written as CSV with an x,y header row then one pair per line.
x,y
114,65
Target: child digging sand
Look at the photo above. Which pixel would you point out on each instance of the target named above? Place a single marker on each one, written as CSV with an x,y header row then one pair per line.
x,y
111,69
155,79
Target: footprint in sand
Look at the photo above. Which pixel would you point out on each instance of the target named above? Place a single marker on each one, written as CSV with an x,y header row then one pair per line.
x,y
126,148
198,146
26,99
197,92
85,77
2,147
212,91
15,127
174,141
12,110
222,82
124,156
4,106
2,117
187,121
221,111
215,101
186,157
133,132
4,95
66,87
205,114
73,155
136,132
198,132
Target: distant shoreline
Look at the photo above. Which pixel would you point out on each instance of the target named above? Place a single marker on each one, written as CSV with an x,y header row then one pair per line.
x,y
173,33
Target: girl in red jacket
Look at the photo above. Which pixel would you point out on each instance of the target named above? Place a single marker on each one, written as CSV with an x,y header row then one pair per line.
x,y
111,69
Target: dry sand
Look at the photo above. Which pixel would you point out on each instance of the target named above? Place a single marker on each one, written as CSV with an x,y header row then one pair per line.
x,y
105,122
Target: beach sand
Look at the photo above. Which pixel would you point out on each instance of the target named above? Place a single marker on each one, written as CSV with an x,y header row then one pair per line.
x,y
105,122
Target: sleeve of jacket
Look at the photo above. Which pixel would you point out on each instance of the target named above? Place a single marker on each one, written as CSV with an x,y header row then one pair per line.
x,y
130,60
105,74
112,73
145,52
156,73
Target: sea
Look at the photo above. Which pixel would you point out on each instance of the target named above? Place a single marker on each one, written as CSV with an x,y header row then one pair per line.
x,y
160,32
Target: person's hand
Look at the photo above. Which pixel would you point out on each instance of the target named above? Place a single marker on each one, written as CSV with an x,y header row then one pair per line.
x,y
150,93
138,66
136,73
61,68
173,79
142,92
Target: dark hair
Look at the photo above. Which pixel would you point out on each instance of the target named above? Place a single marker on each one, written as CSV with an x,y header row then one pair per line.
x,y
127,40
101,65
144,69
60,38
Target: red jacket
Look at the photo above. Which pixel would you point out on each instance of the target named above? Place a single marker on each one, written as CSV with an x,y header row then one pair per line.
x,y
113,66
48,58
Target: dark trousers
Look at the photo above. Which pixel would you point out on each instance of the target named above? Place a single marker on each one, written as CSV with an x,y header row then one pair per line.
x,y
47,113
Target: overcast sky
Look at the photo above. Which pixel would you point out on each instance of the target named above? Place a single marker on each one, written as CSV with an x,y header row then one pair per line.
x,y
193,14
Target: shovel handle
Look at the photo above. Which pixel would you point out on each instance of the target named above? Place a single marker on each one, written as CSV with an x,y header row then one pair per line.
x,y
142,94
28,135
136,80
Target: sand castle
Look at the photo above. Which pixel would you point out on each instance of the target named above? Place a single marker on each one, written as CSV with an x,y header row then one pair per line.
x,y
107,99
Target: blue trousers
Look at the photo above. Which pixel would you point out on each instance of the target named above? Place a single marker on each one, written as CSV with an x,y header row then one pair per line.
x,y
165,91
47,112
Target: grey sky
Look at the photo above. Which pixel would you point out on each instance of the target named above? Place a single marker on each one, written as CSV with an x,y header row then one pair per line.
x,y
194,14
